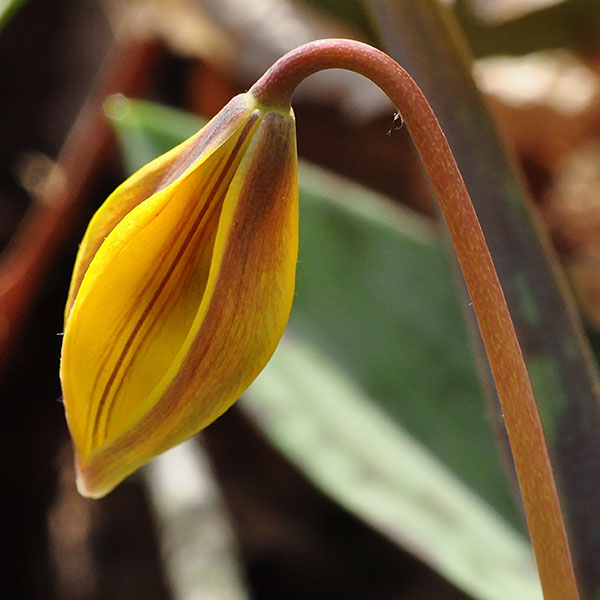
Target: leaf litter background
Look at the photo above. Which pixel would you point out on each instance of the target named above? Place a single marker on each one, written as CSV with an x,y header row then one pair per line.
x,y
363,462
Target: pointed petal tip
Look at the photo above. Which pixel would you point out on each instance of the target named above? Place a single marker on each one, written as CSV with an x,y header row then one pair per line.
x,y
86,486
86,492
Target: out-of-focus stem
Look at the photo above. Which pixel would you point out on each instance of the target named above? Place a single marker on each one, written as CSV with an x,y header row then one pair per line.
x,y
540,498
46,226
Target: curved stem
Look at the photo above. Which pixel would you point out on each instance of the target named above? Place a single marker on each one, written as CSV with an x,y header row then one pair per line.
x,y
534,471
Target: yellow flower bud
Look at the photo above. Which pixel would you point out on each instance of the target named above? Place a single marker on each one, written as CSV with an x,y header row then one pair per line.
x,y
181,291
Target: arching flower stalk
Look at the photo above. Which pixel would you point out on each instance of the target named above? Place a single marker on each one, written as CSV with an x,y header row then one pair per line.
x,y
185,277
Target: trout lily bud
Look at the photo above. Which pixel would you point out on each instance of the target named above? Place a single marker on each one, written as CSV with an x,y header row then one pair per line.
x,y
181,291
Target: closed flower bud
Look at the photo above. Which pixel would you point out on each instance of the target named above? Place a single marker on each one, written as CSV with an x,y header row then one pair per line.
x,y
181,291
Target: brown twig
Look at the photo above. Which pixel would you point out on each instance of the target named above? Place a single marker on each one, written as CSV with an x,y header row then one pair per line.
x,y
44,229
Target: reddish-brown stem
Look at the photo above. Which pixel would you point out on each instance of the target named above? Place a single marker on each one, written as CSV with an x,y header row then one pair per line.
x,y
540,499
33,247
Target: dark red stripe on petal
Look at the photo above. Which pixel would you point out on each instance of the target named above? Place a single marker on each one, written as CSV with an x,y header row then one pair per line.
x,y
210,135
250,253
188,266
152,281
121,367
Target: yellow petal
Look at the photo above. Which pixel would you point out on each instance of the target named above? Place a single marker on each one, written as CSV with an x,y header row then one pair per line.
x,y
153,177
183,304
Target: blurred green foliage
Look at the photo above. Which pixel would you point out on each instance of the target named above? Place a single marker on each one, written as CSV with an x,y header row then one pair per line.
x,y
398,413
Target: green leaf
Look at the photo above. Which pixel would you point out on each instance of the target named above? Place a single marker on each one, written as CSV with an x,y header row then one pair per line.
x,y
422,36
389,315
326,424
375,292
375,295
7,9
145,129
